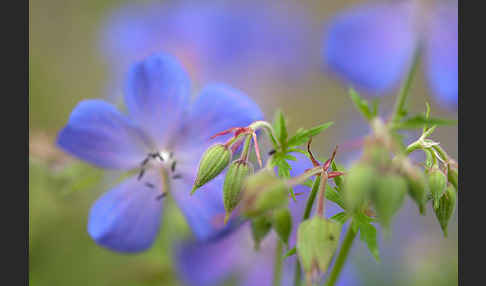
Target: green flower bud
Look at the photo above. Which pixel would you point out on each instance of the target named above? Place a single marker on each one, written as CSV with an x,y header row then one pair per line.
x,y
263,192
452,176
437,184
446,208
233,183
317,241
212,163
260,227
418,190
282,223
358,184
389,196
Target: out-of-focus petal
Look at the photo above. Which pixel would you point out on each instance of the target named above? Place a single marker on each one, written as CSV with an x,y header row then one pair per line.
x,y
97,133
127,218
442,54
217,108
204,210
210,263
157,93
371,46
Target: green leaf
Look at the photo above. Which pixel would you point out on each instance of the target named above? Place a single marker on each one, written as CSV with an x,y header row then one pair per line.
x,y
291,252
334,196
340,217
361,104
338,180
280,126
367,233
303,135
419,121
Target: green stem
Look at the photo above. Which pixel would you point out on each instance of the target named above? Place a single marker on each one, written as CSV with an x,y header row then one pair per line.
x,y
308,209
405,90
277,270
268,128
246,149
342,256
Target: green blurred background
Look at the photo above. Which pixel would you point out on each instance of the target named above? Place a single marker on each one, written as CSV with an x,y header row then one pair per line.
x,y
65,66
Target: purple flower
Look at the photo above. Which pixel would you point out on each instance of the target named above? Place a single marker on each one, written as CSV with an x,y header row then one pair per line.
x,y
372,46
163,134
212,262
222,40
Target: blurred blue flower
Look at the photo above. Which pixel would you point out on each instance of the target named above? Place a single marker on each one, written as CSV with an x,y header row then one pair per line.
x,y
372,45
213,262
164,134
222,40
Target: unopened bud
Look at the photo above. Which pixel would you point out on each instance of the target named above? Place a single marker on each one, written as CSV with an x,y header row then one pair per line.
x,y
263,192
260,227
359,183
282,223
437,184
317,241
388,197
418,190
446,208
233,183
212,163
452,176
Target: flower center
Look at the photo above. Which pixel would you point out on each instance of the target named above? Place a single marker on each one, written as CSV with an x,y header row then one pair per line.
x,y
165,162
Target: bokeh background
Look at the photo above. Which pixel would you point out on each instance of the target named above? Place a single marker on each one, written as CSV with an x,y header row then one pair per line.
x,y
73,57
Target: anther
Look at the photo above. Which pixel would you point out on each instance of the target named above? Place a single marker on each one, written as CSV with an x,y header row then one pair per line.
x,y
173,166
150,185
273,151
159,197
177,176
140,175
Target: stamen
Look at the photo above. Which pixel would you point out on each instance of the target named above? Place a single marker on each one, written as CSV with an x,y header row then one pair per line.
x,y
177,176
150,185
173,166
161,196
140,175
273,151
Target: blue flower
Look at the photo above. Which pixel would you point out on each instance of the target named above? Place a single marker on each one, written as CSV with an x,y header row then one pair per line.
x,y
212,262
372,46
224,40
163,134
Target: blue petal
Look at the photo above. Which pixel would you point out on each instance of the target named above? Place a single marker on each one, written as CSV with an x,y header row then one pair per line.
x,y
204,210
442,54
219,107
210,263
99,134
371,46
157,93
127,218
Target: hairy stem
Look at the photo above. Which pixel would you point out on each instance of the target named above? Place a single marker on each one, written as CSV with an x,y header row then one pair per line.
x,y
308,209
246,148
342,256
322,191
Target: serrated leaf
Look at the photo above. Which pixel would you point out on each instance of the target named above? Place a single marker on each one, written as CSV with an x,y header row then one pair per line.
x,y
338,180
367,233
340,217
419,121
361,104
280,126
290,157
334,196
303,135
